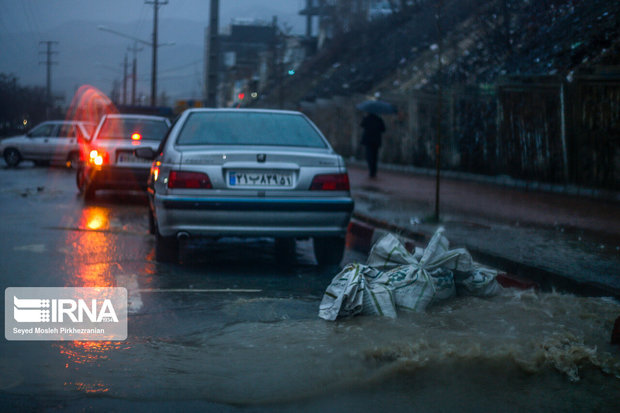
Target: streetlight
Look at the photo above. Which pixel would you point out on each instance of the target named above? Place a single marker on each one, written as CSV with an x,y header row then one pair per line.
x,y
154,65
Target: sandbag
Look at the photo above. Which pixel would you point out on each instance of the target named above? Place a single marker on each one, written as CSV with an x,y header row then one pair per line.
x,y
395,279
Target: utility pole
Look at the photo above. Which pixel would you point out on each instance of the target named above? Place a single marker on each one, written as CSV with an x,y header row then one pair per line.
x,y
125,80
439,108
156,4
213,53
134,70
135,50
48,62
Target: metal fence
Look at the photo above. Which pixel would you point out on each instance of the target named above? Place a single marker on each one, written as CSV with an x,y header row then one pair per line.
x,y
543,129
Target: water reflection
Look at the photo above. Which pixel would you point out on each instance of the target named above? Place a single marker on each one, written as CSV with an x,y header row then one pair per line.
x,y
94,218
92,257
81,357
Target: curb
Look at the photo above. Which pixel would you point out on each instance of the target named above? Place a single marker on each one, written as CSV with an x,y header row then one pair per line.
x,y
502,181
364,231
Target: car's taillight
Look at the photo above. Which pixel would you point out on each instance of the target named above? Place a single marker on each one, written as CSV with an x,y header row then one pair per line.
x,y
98,157
330,182
190,180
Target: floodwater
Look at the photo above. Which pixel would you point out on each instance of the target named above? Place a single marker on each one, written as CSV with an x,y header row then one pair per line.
x,y
522,351
231,330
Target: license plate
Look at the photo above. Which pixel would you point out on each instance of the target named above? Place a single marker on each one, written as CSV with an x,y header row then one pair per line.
x,y
130,158
260,179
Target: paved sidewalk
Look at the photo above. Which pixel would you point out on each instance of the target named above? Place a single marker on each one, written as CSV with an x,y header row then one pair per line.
x,y
559,241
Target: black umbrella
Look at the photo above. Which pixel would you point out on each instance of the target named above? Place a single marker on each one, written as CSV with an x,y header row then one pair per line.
x,y
378,107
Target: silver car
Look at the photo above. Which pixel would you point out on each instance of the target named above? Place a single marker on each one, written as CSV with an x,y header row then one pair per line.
x,y
52,141
248,173
108,160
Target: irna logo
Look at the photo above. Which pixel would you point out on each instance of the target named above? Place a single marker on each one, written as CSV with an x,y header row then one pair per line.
x,y
63,310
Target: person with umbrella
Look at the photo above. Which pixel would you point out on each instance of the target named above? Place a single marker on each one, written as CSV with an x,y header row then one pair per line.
x,y
373,127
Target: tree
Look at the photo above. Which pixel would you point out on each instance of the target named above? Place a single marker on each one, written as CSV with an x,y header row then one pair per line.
x,y
19,103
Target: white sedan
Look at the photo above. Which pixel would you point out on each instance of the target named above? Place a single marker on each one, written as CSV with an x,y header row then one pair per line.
x,y
52,141
248,173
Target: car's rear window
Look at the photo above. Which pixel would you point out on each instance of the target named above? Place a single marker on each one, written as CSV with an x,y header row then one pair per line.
x,y
119,128
249,128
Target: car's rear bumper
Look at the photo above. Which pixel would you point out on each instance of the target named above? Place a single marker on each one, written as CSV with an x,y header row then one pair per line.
x,y
253,217
112,177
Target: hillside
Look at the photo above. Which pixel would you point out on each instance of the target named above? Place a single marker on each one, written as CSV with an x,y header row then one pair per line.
x,y
481,42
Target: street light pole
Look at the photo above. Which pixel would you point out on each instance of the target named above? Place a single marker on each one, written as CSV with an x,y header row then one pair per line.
x,y
156,4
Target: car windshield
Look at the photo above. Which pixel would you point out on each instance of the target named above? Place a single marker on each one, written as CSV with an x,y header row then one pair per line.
x,y
249,128
125,128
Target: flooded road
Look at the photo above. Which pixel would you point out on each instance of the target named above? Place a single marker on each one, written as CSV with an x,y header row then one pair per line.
x,y
233,329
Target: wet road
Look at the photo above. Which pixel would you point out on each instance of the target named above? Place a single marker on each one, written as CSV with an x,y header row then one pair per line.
x,y
233,329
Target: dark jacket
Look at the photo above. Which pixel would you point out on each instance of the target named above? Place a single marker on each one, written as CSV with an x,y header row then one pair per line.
x,y
373,128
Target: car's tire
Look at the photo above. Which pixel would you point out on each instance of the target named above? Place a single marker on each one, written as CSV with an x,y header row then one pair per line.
x,y
86,190
12,157
152,226
80,180
89,192
166,249
285,249
328,251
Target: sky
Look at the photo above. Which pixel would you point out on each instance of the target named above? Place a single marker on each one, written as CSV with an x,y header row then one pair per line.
x,y
86,55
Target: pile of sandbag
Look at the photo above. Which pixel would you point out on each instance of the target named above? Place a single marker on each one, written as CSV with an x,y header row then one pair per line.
x,y
395,279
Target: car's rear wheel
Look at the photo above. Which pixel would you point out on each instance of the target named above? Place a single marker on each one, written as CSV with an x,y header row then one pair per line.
x,y
166,249
152,227
12,157
328,250
285,250
89,193
80,180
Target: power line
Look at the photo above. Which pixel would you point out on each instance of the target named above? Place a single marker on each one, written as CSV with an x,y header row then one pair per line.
x,y
181,67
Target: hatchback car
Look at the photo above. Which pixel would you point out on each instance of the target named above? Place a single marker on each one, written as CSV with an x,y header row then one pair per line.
x,y
52,141
108,160
248,173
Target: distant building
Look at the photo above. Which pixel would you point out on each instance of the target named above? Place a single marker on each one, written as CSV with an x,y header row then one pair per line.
x,y
251,52
336,16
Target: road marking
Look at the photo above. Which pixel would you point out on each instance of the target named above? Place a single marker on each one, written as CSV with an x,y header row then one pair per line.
x,y
40,248
199,290
134,292
119,231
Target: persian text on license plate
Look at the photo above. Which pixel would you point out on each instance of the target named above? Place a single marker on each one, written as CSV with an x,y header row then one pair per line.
x,y
260,179
130,158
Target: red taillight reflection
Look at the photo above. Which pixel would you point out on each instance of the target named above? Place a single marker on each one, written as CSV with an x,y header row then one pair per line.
x,y
98,157
189,180
330,182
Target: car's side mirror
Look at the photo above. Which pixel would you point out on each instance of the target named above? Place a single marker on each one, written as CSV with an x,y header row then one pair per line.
x,y
145,153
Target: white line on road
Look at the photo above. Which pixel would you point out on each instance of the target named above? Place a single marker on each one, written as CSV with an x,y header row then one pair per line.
x,y
39,248
198,290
